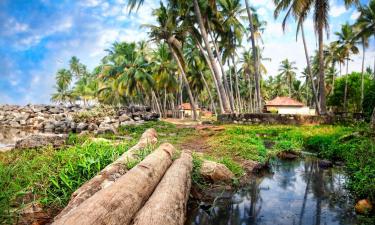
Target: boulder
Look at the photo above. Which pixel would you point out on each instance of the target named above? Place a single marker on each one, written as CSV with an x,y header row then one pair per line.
x,y
40,140
92,127
288,155
251,166
124,118
325,163
81,126
106,130
363,206
34,213
215,172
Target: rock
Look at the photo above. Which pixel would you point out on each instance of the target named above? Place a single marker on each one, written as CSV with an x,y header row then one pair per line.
x,y
325,163
363,206
127,123
40,140
106,130
92,127
215,172
33,213
289,155
81,126
124,118
84,133
251,166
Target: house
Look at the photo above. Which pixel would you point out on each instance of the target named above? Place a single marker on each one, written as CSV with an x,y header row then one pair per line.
x,y
186,110
286,105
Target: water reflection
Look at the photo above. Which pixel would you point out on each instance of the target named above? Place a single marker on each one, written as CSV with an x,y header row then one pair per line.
x,y
297,192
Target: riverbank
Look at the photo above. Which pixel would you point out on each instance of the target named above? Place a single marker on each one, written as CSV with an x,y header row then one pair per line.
x,y
48,176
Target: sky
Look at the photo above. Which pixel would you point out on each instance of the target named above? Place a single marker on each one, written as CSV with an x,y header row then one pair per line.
x,y
38,37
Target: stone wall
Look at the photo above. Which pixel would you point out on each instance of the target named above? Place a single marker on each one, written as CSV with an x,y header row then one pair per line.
x,y
269,118
63,119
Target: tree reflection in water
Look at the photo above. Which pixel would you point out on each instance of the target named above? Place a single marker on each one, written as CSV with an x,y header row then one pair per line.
x,y
297,192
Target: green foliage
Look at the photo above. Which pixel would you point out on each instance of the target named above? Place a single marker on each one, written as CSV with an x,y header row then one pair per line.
x,y
236,169
196,176
369,101
354,92
141,155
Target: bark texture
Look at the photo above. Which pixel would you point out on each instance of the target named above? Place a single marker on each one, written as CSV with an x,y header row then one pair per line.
x,y
167,205
109,174
119,203
373,119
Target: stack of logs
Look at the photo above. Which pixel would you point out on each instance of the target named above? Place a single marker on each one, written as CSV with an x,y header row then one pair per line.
x,y
155,191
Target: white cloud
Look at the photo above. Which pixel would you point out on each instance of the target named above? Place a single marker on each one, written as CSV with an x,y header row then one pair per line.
x,y
355,15
336,10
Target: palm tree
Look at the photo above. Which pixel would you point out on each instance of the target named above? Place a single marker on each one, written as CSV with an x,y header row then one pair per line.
x,y
255,58
347,44
366,26
320,10
167,31
293,8
63,79
287,70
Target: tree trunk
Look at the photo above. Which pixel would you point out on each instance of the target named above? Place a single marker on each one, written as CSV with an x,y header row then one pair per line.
x,y
363,73
213,76
289,78
165,103
119,203
333,76
221,89
225,80
346,86
173,192
309,71
373,119
209,93
255,58
251,109
110,173
191,98
157,102
322,91
237,85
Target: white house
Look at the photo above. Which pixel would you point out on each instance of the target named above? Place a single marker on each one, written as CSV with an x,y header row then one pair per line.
x,y
286,105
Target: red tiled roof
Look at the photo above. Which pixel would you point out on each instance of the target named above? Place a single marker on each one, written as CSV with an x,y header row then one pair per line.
x,y
186,106
284,101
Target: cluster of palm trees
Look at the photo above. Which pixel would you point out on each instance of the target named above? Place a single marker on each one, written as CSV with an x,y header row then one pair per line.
x,y
198,56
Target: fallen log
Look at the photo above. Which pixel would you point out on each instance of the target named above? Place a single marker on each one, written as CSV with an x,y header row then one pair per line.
x,y
110,173
119,203
167,205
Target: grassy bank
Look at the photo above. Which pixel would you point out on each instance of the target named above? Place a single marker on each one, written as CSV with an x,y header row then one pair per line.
x,y
353,145
49,176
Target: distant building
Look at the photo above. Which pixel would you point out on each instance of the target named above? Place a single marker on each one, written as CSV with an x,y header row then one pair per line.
x,y
286,105
186,110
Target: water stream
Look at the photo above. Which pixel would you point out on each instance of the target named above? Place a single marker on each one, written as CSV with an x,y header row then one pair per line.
x,y
296,192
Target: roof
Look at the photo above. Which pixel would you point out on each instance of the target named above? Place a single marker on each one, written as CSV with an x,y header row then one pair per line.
x,y
284,101
186,106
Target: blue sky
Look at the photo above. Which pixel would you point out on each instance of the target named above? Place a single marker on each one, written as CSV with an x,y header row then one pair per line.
x,y
37,37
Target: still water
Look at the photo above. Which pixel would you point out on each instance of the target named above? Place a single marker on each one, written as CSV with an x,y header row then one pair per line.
x,y
296,192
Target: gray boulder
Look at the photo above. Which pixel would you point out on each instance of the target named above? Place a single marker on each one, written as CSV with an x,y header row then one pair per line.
x,y
40,140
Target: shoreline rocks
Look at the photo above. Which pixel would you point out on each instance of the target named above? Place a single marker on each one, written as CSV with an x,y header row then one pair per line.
x,y
65,119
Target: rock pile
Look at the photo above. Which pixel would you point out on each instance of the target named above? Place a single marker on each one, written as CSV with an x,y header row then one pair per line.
x,y
63,119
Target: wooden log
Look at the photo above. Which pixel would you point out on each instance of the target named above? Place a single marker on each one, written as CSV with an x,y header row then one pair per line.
x,y
110,173
119,203
167,205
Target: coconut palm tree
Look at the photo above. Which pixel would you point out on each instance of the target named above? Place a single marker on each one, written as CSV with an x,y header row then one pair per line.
x,y
320,10
167,31
287,70
63,79
347,43
366,26
255,58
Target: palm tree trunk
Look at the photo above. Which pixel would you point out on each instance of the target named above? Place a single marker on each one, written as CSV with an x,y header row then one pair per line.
x,y
191,98
237,85
346,86
231,88
373,119
209,93
363,72
202,29
333,76
250,91
290,85
213,75
309,71
157,103
225,80
255,58
322,91
165,103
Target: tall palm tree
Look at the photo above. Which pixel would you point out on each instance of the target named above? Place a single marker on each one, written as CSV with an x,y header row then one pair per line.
x,y
63,78
167,31
255,58
292,8
366,26
347,44
320,10
287,70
